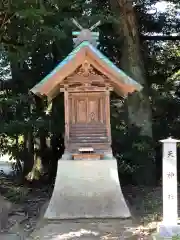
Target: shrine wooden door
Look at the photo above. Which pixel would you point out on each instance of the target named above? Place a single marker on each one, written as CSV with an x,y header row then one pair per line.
x,y
86,109
94,109
80,110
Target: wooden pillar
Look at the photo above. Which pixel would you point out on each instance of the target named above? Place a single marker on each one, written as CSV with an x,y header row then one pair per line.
x,y
73,110
107,107
66,112
102,109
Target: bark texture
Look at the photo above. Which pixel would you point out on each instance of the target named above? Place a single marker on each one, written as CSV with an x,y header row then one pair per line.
x,y
139,110
138,103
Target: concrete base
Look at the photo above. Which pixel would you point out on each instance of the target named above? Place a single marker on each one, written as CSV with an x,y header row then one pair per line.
x,y
168,231
87,189
108,155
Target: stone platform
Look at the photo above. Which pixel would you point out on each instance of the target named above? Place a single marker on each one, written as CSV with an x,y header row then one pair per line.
x,y
87,189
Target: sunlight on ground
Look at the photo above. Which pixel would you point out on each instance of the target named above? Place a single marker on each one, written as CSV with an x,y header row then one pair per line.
x,y
130,233
76,234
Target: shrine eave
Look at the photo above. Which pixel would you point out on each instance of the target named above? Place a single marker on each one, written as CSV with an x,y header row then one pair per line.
x,y
123,84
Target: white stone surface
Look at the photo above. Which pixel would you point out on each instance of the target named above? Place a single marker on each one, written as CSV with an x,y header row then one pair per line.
x,y
169,231
169,226
87,189
170,205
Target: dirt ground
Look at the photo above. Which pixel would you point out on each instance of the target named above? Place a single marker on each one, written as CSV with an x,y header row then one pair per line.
x,y
29,205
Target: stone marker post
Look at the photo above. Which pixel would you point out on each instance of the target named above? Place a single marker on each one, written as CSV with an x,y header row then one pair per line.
x,y
169,226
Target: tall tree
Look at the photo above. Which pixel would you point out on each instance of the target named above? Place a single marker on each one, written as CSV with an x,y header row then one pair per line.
x,y
138,104
139,109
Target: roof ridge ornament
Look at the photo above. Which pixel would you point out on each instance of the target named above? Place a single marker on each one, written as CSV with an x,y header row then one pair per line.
x,y
86,34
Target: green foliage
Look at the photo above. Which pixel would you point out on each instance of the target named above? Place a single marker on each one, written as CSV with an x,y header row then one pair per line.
x,y
16,194
134,154
36,35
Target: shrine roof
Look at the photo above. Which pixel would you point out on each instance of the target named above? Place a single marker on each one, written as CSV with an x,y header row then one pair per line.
x,y
74,60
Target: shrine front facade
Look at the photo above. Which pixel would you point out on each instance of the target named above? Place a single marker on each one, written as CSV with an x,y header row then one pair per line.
x,y
87,112
87,125
86,78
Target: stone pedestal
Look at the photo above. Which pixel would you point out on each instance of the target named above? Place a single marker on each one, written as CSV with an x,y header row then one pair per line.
x,y
169,227
87,189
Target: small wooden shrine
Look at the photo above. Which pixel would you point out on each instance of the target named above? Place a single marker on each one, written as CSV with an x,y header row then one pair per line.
x,y
83,188
86,77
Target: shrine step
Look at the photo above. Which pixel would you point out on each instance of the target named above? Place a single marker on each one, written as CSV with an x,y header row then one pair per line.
x,y
88,137
90,130
88,124
88,127
88,141
85,135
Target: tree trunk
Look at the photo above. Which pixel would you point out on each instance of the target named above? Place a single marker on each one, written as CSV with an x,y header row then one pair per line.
x,y
57,140
138,103
28,153
37,167
18,167
139,109
39,147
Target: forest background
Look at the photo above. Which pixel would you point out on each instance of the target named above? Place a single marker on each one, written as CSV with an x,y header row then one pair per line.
x,y
138,37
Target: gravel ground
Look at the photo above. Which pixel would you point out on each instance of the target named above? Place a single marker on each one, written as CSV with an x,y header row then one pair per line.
x,y
29,205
